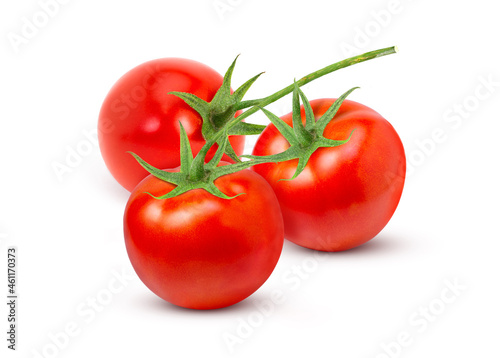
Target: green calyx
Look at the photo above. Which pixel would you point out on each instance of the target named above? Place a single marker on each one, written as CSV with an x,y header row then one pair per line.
x,y
304,139
221,109
194,173
219,122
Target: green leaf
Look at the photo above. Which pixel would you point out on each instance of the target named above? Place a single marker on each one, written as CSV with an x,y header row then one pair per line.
x,y
225,89
302,135
197,167
242,90
170,177
212,164
178,190
329,143
212,189
230,152
300,166
308,110
293,152
186,153
244,128
330,113
285,130
195,102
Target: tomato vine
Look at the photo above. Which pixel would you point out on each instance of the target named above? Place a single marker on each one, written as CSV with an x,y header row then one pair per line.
x,y
219,122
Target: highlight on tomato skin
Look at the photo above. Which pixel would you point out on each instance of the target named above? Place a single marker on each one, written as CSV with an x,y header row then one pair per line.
x,y
346,194
200,251
139,115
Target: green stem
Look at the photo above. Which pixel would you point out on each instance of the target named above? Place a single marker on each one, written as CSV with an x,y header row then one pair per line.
x,y
306,79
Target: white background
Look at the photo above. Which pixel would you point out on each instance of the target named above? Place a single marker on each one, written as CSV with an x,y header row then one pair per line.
x,y
352,304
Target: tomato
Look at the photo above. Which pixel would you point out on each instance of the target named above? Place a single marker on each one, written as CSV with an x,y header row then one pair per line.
x,y
347,194
139,115
199,251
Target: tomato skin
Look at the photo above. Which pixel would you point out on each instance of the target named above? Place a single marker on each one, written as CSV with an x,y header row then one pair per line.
x,y
138,115
203,252
347,194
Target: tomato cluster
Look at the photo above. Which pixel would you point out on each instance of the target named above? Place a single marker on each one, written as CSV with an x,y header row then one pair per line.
x,y
204,229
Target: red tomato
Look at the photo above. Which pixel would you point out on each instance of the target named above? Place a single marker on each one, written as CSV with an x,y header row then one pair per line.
x,y
203,252
139,116
347,194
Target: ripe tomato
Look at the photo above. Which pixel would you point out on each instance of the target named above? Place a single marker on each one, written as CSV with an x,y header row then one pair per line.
x,y
139,115
347,194
199,251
